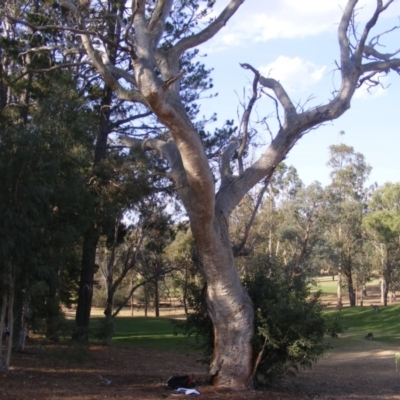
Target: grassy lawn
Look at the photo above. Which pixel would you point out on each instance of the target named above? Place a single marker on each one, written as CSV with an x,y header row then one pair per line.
x,y
161,334
328,286
150,332
384,325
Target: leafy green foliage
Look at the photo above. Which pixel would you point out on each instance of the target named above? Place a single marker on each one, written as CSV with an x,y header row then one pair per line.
x,y
289,322
44,197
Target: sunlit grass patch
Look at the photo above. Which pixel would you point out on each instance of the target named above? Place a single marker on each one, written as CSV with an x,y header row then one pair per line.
x,y
385,325
150,332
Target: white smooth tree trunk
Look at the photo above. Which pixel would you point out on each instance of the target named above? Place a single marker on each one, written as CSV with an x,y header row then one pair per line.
x,y
231,311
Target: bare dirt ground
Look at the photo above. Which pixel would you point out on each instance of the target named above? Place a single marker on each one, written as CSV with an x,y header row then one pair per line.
x,y
360,370
366,370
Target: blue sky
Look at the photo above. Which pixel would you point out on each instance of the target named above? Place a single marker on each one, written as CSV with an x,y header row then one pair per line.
x,y
295,42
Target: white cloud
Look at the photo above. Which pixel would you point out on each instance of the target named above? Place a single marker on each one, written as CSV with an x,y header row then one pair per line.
x,y
260,21
295,74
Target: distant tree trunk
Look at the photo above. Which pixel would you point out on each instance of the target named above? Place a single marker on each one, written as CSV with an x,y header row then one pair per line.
x,y
146,301
3,343
3,86
85,292
350,289
7,309
23,326
156,298
364,290
52,310
108,324
386,275
339,302
92,234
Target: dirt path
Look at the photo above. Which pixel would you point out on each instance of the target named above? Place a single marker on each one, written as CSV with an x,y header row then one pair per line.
x,y
359,370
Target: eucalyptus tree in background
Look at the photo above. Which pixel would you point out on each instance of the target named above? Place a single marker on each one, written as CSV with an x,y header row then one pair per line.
x,y
151,76
383,228
302,232
348,197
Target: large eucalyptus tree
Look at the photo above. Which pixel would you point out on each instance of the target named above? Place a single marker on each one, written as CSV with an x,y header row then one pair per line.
x,y
151,75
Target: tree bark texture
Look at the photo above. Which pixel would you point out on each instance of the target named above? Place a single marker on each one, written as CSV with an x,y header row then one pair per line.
x,y
85,293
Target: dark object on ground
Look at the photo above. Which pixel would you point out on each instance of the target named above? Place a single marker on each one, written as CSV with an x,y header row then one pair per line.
x,y
183,381
369,336
376,309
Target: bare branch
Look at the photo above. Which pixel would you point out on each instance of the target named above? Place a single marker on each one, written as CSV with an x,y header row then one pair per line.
x,y
120,122
380,8
157,20
276,109
370,51
345,49
246,120
382,66
53,68
278,89
170,81
211,30
238,248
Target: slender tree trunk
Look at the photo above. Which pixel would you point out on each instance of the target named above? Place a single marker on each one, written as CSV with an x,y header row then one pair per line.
x,y
350,289
109,321
3,87
156,298
91,236
146,301
52,310
85,292
10,321
23,328
3,336
385,281
339,302
364,290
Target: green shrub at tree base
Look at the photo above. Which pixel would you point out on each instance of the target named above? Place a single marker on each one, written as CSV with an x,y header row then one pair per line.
x,y
290,325
289,322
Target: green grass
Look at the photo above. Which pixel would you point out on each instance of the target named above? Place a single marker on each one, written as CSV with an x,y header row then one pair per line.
x,y
149,332
327,286
384,325
159,333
